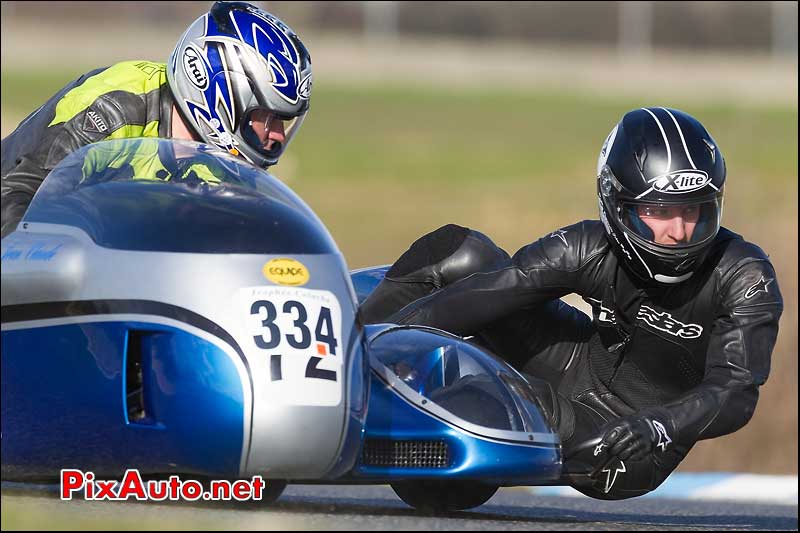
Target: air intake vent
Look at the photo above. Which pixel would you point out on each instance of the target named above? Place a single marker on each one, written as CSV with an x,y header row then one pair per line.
x,y
406,453
134,389
138,405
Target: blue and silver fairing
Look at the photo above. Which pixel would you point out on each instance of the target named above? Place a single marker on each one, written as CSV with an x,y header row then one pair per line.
x,y
441,406
246,366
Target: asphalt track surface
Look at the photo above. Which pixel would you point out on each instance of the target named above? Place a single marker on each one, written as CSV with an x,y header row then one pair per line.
x,y
318,507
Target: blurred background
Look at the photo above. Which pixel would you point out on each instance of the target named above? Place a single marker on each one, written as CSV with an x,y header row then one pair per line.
x,y
491,115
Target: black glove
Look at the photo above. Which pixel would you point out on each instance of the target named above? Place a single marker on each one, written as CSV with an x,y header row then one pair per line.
x,y
635,436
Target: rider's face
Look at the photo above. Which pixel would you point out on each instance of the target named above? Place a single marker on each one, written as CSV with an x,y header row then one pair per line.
x,y
671,225
268,127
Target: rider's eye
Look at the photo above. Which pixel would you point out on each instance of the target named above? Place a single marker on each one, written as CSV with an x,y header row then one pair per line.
x,y
653,211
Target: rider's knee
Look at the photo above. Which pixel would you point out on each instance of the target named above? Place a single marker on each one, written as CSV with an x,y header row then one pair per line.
x,y
446,255
595,474
621,480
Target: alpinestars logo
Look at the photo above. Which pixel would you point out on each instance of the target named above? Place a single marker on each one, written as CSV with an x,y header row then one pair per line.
x,y
560,234
665,322
663,438
612,476
599,449
759,286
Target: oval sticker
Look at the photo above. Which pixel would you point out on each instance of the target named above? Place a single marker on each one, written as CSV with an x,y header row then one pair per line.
x,y
285,271
194,68
681,181
304,89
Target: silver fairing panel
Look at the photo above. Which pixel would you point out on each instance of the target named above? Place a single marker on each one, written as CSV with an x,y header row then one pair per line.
x,y
294,420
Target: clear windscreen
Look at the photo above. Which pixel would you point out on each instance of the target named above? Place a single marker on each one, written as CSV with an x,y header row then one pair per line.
x,y
167,161
169,195
466,381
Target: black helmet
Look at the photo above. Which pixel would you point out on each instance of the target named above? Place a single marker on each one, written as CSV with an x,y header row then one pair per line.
x,y
660,179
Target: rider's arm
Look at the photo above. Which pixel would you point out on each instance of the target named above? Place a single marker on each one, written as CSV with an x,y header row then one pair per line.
x,y
738,357
549,268
99,104
31,151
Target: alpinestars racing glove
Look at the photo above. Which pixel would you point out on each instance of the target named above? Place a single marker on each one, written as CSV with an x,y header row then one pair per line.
x,y
635,436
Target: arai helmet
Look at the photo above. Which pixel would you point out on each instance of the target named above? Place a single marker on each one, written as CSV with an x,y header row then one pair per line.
x,y
234,64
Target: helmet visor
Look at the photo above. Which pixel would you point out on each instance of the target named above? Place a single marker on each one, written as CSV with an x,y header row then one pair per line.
x,y
673,225
268,132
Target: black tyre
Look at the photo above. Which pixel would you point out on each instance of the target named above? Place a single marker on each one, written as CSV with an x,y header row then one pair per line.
x,y
272,491
443,496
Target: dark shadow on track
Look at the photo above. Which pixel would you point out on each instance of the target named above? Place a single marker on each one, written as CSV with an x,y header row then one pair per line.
x,y
649,514
542,514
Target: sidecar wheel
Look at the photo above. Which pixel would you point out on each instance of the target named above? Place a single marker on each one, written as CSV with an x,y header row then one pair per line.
x,y
443,496
272,491
269,494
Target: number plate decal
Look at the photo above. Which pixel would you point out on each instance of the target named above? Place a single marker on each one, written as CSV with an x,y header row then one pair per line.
x,y
293,340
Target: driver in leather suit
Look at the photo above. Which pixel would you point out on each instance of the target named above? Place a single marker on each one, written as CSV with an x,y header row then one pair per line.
x,y
684,313
239,80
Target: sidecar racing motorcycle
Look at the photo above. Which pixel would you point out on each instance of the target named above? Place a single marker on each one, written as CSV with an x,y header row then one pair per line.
x,y
169,308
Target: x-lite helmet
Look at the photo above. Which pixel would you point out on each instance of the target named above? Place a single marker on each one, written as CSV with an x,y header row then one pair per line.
x,y
237,68
659,169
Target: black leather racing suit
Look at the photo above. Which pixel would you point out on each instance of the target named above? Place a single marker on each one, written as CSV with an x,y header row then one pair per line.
x,y
128,99
697,350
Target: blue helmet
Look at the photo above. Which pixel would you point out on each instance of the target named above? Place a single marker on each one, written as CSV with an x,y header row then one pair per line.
x,y
237,67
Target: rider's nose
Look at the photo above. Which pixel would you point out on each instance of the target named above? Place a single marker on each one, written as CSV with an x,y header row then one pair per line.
x,y
277,131
678,229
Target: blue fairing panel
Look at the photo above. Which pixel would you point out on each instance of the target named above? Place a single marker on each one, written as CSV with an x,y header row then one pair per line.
x,y
366,279
472,456
67,408
441,406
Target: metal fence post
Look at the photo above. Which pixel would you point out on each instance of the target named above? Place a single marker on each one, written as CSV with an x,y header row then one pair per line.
x,y
380,20
635,28
784,29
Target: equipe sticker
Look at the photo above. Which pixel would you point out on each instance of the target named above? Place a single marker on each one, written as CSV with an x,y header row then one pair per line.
x,y
293,337
286,271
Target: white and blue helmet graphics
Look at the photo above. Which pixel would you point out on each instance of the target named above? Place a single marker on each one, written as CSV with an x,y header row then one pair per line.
x,y
232,62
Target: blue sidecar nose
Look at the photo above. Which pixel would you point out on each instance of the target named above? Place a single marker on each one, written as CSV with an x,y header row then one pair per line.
x,y
443,407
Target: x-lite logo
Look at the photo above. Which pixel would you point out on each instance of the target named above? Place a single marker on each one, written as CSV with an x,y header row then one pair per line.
x,y
681,181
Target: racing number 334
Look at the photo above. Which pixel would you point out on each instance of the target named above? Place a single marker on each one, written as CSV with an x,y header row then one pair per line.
x,y
299,339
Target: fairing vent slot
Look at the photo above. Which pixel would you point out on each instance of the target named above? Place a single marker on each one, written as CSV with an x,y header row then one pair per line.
x,y
136,404
406,453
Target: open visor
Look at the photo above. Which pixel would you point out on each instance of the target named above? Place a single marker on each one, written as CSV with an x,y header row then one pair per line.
x,y
268,132
673,225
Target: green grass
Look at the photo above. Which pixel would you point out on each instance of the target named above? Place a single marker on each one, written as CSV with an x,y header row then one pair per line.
x,y
383,165
422,135
33,511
